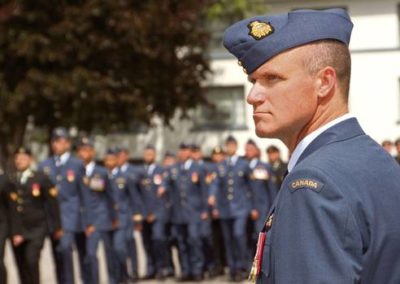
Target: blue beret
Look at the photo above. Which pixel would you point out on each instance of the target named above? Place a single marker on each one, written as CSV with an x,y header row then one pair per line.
x,y
149,147
230,139
85,141
184,146
113,150
251,142
255,40
23,150
169,154
59,132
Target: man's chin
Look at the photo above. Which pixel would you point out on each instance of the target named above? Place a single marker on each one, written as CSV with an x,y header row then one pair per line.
x,y
264,133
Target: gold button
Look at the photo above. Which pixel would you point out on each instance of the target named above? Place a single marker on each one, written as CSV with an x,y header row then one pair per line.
x,y
20,201
230,182
19,209
59,178
230,196
230,189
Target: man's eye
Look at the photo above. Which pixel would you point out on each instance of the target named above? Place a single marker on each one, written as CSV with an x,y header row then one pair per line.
x,y
272,77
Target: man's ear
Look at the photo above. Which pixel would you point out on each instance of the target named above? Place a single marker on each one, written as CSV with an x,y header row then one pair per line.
x,y
326,82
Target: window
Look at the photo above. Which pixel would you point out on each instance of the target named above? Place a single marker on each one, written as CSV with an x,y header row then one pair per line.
x,y
226,109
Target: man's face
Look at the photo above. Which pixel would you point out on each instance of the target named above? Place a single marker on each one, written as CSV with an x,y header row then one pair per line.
x,y
197,155
169,161
22,162
273,156
86,153
123,157
110,161
231,148
149,156
184,154
217,157
60,146
283,95
251,151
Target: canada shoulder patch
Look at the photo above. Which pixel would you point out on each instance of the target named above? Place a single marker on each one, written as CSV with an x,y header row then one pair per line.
x,y
306,183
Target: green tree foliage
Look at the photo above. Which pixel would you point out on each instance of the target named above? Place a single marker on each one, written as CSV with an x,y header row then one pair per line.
x,y
101,64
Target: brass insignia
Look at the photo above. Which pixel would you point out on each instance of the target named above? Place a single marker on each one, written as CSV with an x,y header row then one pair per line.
x,y
46,170
13,196
259,30
53,191
305,183
86,180
157,179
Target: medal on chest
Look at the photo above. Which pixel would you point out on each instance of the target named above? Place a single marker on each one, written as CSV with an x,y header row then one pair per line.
x,y
35,189
70,175
258,258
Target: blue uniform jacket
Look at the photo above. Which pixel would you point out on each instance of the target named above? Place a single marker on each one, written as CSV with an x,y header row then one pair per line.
x,y
187,190
100,202
336,217
128,202
264,189
154,204
69,181
231,187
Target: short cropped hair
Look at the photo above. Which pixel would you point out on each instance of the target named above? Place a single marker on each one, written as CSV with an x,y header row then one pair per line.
x,y
331,53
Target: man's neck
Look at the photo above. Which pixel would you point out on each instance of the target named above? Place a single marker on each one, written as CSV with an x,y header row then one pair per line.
x,y
315,123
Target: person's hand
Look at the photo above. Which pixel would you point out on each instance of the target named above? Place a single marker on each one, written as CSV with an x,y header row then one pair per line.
x,y
254,214
212,201
90,230
58,234
204,216
215,213
151,218
17,240
114,224
138,227
161,192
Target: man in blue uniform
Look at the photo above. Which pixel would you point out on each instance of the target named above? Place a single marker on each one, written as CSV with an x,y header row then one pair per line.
x,y
262,183
127,203
133,175
154,226
67,173
100,210
231,193
185,185
209,264
335,219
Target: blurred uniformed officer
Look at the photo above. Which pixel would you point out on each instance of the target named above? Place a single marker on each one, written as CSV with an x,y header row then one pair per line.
x,y
154,226
99,206
128,204
232,188
264,189
209,264
34,207
279,167
185,184
132,173
4,222
67,173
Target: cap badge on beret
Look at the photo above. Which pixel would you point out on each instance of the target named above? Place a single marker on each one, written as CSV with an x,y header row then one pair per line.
x,y
259,30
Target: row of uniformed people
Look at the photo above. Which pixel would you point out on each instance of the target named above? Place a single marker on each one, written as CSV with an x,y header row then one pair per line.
x,y
99,203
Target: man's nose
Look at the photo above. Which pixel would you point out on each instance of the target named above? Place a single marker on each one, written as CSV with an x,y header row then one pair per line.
x,y
256,95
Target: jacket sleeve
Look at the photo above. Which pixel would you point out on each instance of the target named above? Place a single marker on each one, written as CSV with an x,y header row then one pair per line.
x,y
110,198
315,237
15,220
51,204
138,210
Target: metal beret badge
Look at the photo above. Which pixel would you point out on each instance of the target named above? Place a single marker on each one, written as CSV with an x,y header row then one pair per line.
x,y
259,30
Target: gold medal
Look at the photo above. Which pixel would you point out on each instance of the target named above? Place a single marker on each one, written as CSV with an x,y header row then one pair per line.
x,y
70,175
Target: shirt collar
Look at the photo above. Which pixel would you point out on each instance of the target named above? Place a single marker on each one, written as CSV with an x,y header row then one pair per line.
x,y
187,164
25,175
124,167
310,138
253,163
90,168
64,158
